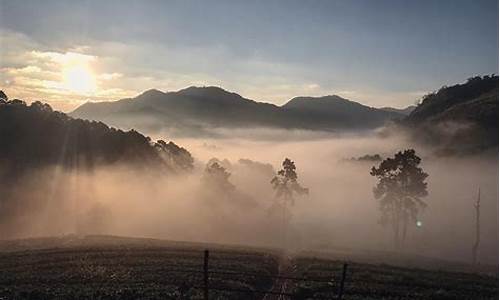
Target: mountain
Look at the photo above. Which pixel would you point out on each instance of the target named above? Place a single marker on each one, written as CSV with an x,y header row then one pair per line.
x,y
462,118
437,103
195,110
404,111
332,112
34,136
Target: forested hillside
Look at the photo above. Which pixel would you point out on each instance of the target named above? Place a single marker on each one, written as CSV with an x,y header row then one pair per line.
x,y
36,136
462,118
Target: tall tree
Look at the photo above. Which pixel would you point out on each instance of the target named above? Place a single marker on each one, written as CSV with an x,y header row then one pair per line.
x,y
400,188
217,178
219,191
286,186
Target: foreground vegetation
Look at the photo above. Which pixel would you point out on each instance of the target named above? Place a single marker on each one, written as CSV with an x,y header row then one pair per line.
x,y
121,270
103,267
380,281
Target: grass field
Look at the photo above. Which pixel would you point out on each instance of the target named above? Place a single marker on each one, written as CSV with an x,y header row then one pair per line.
x,y
103,267
381,281
99,268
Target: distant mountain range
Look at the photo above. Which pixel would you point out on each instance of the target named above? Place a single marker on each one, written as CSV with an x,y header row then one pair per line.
x,y
462,118
459,118
194,109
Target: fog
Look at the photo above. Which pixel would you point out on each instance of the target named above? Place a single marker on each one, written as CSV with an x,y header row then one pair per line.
x,y
339,212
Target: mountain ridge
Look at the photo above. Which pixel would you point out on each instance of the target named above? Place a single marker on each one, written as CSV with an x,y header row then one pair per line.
x,y
215,107
460,119
405,111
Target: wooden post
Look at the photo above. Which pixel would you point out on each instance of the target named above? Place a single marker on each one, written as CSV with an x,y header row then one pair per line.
x,y
341,291
476,244
205,276
284,225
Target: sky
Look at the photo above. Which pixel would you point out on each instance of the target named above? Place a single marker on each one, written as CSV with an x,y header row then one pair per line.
x,y
379,53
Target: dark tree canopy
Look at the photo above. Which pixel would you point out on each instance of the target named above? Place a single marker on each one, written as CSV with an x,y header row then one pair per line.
x,y
400,188
36,136
34,139
219,191
458,120
175,156
3,96
285,182
225,163
438,102
217,178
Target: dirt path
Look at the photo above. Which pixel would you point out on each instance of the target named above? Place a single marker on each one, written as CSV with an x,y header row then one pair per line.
x,y
281,285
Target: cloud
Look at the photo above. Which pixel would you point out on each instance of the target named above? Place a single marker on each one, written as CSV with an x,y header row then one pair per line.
x,y
110,76
64,58
313,86
382,98
35,71
30,73
171,67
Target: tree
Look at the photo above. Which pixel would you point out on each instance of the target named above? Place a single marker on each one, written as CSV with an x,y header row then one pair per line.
x,y
3,96
400,188
286,186
217,178
218,190
176,157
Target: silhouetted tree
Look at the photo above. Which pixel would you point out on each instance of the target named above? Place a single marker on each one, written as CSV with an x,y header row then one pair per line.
x,y
176,157
3,96
34,137
286,186
219,191
225,163
285,182
217,178
62,140
401,185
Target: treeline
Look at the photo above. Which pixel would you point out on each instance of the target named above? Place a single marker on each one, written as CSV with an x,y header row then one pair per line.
x,y
36,136
436,103
458,120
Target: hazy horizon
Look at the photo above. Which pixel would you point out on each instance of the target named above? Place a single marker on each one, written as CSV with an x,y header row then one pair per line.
x,y
380,54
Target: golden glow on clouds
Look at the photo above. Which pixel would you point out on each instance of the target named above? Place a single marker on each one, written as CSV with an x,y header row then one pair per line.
x,y
67,79
75,73
63,79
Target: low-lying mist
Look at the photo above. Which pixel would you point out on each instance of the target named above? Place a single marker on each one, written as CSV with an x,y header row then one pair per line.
x,y
339,212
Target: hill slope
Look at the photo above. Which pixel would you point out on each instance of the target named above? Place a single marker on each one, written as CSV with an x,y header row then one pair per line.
x,y
439,102
36,136
459,119
195,109
404,111
336,112
49,162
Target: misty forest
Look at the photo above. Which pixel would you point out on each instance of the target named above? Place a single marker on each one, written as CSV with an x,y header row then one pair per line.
x,y
384,189
132,166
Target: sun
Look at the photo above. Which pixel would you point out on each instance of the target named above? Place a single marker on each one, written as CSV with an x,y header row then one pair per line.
x,y
78,78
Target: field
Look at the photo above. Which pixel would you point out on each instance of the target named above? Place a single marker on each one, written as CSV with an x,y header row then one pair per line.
x,y
98,267
381,281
